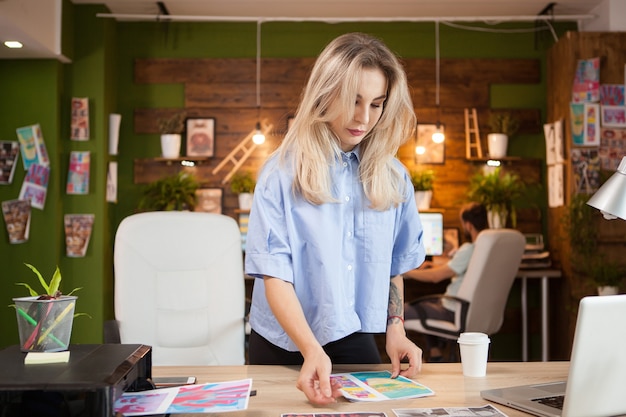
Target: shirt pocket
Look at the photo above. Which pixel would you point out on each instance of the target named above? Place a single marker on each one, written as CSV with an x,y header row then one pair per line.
x,y
379,232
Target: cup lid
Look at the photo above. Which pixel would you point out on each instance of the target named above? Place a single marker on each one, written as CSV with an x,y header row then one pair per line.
x,y
473,338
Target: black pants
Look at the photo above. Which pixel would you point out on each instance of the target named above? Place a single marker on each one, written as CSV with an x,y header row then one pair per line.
x,y
353,349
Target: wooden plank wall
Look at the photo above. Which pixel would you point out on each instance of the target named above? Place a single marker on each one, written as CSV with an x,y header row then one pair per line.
x,y
226,90
611,48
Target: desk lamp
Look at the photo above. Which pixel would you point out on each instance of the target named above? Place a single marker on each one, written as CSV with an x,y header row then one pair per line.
x,y
610,199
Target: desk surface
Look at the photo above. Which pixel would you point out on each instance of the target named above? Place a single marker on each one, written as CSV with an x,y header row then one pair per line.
x,y
276,391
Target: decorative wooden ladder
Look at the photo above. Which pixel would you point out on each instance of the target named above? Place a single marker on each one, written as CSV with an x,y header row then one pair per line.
x,y
243,150
472,135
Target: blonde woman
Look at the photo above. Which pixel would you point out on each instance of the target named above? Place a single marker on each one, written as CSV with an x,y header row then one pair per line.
x,y
334,223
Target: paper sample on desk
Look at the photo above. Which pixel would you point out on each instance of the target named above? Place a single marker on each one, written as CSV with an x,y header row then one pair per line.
x,y
485,410
216,397
378,386
355,414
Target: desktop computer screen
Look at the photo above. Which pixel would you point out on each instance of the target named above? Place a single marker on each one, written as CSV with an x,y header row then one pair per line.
x,y
432,224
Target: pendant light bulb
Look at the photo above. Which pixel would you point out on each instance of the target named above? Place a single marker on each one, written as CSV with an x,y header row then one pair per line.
x,y
420,150
258,137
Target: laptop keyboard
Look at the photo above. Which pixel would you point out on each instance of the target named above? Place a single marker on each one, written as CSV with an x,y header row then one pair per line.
x,y
555,401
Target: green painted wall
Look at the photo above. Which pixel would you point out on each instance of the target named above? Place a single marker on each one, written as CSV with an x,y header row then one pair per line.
x,y
103,52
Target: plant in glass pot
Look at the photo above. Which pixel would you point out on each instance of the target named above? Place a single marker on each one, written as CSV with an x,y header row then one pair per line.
x,y
423,181
45,319
504,125
171,129
243,183
176,192
497,191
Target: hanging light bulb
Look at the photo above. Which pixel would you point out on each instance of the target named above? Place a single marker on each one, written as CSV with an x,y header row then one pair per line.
x,y
438,135
420,150
258,137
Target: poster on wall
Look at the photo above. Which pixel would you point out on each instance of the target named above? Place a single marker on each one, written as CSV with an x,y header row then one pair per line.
x,y
556,186
586,88
16,215
77,233
553,133
80,119
200,137
209,200
35,186
32,146
577,117
586,169
612,94
9,152
614,116
592,125
78,173
112,182
612,147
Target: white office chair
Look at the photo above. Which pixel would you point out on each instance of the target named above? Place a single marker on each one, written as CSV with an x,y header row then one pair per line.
x,y
179,287
482,296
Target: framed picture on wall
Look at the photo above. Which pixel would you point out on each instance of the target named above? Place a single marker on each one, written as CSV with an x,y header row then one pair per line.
x,y
426,150
451,240
200,136
209,200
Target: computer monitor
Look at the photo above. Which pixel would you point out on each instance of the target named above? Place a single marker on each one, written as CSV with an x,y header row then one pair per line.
x,y
432,224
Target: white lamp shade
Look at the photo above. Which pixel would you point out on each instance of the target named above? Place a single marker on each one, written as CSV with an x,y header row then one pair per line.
x,y
611,196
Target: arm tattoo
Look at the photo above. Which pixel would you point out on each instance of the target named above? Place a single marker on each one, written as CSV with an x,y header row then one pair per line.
x,y
395,307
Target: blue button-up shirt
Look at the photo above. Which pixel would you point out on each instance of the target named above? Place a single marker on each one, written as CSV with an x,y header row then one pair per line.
x,y
338,256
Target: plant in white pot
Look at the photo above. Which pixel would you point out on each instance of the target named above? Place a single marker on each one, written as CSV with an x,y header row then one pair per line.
x,y
243,183
497,191
423,187
503,127
45,319
606,275
171,129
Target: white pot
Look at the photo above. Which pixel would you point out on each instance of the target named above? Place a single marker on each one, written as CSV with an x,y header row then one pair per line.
x,y
497,219
170,145
608,290
497,144
245,201
423,198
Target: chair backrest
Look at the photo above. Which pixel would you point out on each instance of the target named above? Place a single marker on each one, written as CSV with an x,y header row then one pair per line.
x,y
179,287
489,277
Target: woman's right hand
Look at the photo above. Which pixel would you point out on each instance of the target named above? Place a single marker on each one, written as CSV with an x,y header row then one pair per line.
x,y
314,379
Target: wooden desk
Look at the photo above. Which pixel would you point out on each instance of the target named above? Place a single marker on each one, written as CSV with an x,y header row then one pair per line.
x,y
543,275
277,393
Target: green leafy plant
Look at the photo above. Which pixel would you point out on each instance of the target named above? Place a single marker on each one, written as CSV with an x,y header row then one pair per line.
x,y
422,180
504,122
174,124
497,191
50,290
242,182
177,192
605,273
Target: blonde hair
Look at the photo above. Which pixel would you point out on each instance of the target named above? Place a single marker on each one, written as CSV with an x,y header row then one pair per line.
x,y
330,91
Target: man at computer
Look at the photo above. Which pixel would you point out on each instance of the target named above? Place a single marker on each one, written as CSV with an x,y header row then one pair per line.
x,y
473,220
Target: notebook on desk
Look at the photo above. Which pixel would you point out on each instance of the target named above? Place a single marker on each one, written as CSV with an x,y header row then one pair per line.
x,y
597,374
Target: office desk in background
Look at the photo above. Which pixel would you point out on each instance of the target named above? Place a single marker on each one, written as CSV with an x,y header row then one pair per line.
x,y
277,393
544,275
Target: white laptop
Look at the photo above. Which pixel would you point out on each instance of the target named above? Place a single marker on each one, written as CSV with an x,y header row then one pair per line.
x,y
596,384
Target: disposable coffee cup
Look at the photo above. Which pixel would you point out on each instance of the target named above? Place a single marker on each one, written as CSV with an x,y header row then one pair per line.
x,y
474,349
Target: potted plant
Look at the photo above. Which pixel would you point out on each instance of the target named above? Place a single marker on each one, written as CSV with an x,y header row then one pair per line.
x,y
171,128
45,319
243,183
581,224
177,192
497,191
423,187
504,125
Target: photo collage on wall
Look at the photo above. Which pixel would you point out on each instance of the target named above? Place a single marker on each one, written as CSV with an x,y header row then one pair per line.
x,y
598,126
31,146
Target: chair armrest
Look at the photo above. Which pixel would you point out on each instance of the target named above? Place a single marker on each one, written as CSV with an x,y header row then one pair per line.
x,y
460,315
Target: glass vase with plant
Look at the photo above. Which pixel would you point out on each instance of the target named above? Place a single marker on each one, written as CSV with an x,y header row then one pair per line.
x,y
497,191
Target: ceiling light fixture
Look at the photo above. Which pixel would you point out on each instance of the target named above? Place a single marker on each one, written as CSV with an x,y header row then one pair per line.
x,y
13,44
258,137
438,135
